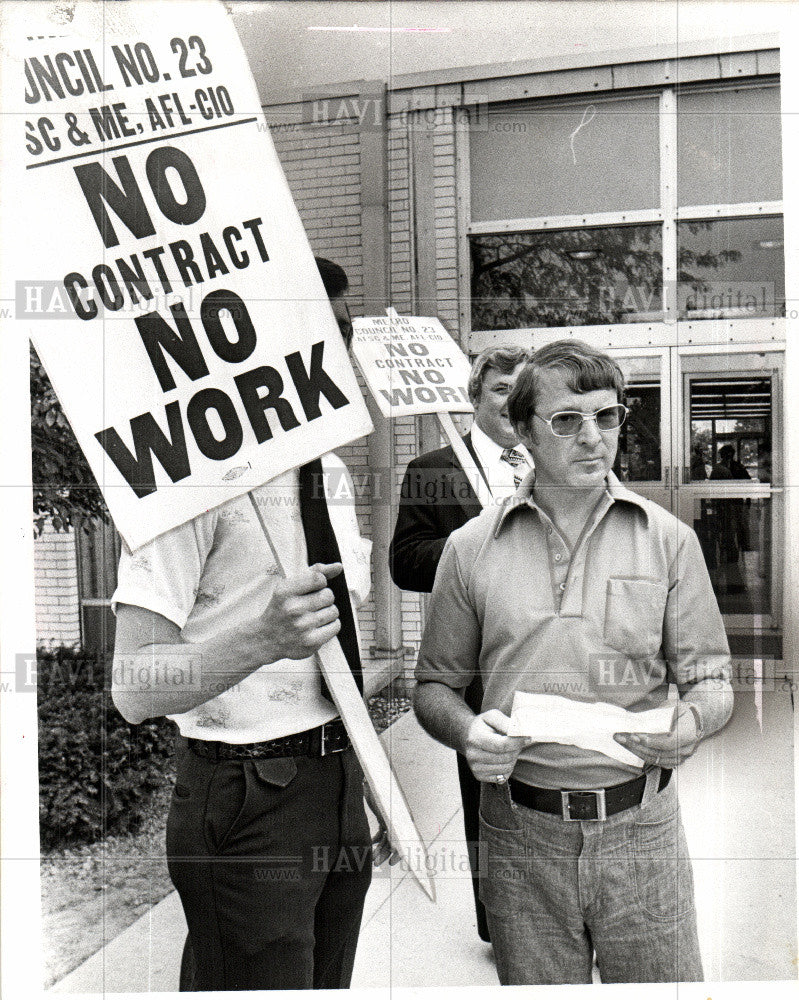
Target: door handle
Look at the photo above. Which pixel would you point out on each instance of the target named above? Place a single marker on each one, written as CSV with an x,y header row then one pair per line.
x,y
667,476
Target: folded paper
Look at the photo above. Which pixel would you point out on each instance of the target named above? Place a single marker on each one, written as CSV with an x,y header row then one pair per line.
x,y
550,718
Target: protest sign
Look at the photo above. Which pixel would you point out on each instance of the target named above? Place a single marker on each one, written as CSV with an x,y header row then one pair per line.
x,y
168,284
165,275
411,365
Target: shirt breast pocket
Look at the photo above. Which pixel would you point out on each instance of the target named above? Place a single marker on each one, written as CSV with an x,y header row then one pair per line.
x,y
634,610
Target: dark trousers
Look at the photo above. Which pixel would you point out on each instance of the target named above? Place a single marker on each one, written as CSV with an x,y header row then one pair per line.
x,y
470,796
272,861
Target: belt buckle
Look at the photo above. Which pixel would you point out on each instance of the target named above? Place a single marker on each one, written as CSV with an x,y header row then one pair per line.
x,y
323,751
566,805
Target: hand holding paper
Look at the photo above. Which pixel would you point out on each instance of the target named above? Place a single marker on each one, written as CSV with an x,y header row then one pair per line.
x,y
491,749
548,718
667,749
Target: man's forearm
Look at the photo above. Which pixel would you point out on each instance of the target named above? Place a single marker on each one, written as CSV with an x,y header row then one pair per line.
x,y
442,713
171,678
713,699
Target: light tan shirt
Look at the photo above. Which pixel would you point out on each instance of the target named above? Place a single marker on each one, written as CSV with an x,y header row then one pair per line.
x,y
628,610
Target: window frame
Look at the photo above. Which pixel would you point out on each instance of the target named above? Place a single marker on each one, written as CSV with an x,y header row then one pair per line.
x,y
669,213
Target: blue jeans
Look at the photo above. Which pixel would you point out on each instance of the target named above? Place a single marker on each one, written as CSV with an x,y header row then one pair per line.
x,y
556,892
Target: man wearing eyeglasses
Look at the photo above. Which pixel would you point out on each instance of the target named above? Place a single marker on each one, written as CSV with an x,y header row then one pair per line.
x,y
437,496
578,588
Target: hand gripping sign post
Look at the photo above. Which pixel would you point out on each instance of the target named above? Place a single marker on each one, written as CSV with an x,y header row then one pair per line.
x,y
169,287
412,366
387,794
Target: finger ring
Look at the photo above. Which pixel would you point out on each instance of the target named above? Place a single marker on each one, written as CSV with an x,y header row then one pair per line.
x,y
500,779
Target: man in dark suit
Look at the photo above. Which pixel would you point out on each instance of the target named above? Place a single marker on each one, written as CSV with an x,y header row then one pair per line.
x,y
437,497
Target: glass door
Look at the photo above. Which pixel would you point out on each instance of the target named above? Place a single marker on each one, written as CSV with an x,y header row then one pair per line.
x,y
704,440
730,476
643,460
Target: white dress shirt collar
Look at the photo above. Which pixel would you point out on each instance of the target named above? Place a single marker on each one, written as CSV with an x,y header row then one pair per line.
x,y
500,474
489,453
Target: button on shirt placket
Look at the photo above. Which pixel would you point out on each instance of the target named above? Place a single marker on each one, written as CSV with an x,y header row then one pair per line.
x,y
567,570
559,562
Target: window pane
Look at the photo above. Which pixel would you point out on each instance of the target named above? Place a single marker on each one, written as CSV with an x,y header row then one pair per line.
x,y
731,441
728,148
731,428
530,161
735,536
638,459
731,268
568,277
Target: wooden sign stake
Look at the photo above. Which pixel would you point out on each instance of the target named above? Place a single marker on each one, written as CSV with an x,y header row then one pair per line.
x,y
388,795
479,485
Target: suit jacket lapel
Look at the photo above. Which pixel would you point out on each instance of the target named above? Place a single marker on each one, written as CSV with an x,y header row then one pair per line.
x,y
467,440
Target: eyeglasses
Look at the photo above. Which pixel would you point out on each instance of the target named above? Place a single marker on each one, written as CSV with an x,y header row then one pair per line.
x,y
568,423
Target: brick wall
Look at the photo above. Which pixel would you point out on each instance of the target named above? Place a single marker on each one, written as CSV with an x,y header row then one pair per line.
x,y
446,218
56,582
401,130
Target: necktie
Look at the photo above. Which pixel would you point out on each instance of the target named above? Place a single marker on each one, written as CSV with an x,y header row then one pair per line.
x,y
514,459
322,546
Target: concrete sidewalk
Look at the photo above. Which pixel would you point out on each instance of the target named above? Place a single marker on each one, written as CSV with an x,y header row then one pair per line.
x,y
406,940
737,796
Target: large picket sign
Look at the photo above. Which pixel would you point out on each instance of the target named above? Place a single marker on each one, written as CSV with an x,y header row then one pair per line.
x,y
171,292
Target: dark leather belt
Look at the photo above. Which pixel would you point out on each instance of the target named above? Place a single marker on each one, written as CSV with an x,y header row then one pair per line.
x,y
593,803
329,738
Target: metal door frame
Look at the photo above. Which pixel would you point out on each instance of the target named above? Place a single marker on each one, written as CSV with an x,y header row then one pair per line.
x,y
759,359
657,490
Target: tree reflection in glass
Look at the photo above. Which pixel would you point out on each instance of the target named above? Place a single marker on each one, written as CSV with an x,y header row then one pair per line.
x,y
638,457
567,277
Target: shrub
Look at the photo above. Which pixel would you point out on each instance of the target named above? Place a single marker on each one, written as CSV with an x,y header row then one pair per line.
x,y
96,771
64,488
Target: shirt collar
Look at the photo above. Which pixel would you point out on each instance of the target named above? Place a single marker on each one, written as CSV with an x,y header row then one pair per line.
x,y
488,451
523,497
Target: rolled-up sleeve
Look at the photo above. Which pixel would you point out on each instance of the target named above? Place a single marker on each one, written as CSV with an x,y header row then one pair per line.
x,y
694,641
450,649
163,575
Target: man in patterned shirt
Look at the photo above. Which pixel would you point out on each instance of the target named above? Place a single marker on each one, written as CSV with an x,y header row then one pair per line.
x,y
267,838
